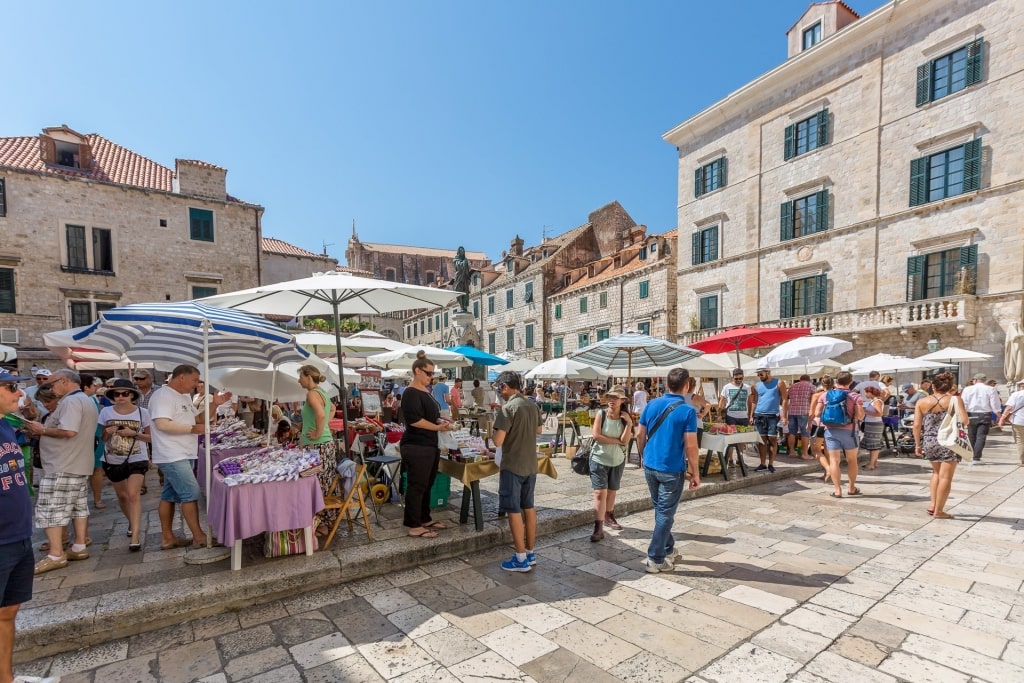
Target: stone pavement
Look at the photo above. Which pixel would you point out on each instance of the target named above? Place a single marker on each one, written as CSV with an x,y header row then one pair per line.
x,y
775,582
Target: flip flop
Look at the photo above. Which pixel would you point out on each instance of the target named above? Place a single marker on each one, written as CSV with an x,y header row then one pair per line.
x,y
176,543
434,525
836,495
135,547
854,492
427,533
930,512
943,515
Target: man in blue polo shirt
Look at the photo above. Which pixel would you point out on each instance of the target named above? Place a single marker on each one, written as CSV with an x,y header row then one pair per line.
x,y
668,430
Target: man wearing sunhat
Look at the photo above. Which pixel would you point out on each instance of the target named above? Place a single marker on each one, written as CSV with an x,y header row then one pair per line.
x,y
42,377
1014,414
981,402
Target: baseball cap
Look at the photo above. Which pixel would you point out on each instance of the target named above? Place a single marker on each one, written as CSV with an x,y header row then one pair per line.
x,y
6,376
43,372
906,386
981,375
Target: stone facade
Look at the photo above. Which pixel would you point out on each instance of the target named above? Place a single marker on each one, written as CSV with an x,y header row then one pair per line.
x,y
862,81
423,266
283,262
132,238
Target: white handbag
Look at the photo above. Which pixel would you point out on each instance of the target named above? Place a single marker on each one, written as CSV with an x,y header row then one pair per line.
x,y
953,433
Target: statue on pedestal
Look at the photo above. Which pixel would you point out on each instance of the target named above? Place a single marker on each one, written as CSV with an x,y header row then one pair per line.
x,y
463,274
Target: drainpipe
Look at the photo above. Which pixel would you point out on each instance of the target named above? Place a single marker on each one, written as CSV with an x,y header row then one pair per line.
x,y
259,247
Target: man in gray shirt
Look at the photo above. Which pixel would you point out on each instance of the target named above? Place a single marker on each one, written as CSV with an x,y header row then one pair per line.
x,y
66,450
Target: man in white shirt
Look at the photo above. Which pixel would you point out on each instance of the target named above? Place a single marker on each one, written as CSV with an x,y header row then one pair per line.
x,y
1014,414
176,422
981,402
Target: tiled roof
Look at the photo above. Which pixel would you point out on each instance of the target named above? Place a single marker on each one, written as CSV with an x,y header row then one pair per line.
x,y
422,251
355,271
630,262
276,246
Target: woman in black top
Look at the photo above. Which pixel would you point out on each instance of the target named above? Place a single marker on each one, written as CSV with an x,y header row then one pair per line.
x,y
420,455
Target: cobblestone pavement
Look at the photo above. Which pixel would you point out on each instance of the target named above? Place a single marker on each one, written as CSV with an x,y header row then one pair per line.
x,y
777,582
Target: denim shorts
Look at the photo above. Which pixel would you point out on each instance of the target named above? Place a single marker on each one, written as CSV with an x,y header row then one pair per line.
x,y
767,425
798,425
180,485
605,477
841,439
515,492
17,567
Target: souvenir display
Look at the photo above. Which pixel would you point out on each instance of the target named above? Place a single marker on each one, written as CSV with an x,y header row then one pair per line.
x,y
269,464
233,433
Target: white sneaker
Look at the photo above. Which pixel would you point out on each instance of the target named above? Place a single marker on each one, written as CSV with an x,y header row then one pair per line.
x,y
653,568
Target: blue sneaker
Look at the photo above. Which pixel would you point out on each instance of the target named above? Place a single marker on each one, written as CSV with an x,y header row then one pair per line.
x,y
514,565
531,558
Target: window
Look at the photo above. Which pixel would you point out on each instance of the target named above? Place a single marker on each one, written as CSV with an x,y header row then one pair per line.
x,y
78,259
708,311
490,305
476,309
644,328
583,340
508,299
437,322
942,273
705,245
557,345
510,339
812,36
807,135
528,292
583,304
946,174
7,299
389,274
430,277
642,254
602,300
951,73
804,216
422,327
430,324
710,177
102,250
81,313
806,296
3,197
490,342
603,334
558,311
200,292
200,223
529,336
654,247
446,319
645,289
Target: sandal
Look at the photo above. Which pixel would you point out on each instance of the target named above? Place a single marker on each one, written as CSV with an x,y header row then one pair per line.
x,y
135,547
176,543
930,512
426,533
854,492
943,515
434,525
836,495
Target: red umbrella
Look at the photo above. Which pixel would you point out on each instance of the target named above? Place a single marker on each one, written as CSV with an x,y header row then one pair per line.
x,y
748,338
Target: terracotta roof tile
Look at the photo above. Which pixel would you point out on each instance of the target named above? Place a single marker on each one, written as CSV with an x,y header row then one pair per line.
x,y
630,263
272,245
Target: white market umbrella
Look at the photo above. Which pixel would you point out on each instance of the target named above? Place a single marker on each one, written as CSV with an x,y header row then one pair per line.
x,y
567,369
884,362
404,358
952,354
816,368
521,365
632,349
334,294
278,382
805,350
8,354
1013,358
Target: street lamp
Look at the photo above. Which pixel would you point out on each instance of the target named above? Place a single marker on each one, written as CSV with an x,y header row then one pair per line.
x,y
933,345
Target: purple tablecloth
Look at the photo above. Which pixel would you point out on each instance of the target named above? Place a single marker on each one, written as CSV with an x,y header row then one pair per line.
x,y
238,512
217,455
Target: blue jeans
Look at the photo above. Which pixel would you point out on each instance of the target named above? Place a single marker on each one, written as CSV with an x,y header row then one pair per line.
x,y
666,489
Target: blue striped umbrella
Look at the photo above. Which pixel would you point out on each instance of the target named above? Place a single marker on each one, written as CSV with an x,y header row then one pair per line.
x,y
170,334
633,350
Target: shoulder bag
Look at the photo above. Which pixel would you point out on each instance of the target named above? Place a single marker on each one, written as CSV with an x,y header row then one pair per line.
x,y
953,432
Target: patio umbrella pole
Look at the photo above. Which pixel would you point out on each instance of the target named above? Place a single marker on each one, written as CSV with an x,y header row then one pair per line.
x,y
343,389
206,432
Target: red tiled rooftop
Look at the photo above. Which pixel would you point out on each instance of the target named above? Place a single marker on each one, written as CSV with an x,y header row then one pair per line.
x,y
275,246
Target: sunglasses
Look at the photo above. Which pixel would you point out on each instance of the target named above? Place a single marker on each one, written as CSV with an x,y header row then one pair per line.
x,y
10,386
139,379
119,394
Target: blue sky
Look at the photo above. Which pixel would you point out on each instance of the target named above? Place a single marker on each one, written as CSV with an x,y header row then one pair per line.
x,y
435,122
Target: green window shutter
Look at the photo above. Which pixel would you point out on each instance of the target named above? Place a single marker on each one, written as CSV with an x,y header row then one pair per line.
x,y
790,144
975,61
919,181
915,277
972,165
723,172
786,300
786,231
698,183
823,127
713,239
557,347
558,311
924,84
820,293
969,269
7,298
821,220
696,248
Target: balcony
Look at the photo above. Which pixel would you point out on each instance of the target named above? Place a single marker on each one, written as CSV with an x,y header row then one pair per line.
x,y
959,310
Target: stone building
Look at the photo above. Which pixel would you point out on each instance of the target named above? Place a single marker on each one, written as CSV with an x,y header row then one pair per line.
x,y
88,225
283,262
631,289
511,301
424,266
869,187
